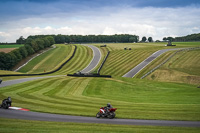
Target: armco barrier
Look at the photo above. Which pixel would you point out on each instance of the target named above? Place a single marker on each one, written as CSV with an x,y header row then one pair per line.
x,y
167,60
5,75
103,62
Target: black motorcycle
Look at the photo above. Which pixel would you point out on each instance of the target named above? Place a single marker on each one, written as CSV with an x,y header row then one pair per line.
x,y
6,103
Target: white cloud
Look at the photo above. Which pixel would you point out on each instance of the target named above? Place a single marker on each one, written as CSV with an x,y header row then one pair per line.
x,y
148,21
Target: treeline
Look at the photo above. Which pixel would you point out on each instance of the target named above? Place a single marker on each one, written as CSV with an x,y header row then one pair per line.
x,y
122,38
31,46
192,37
5,43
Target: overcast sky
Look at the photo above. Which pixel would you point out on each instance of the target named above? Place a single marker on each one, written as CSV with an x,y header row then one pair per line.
x,y
150,18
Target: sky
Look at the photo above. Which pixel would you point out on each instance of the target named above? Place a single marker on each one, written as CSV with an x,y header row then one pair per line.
x,y
150,18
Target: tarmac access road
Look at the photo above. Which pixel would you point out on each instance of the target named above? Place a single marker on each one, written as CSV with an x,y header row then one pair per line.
x,y
28,115
95,61
143,64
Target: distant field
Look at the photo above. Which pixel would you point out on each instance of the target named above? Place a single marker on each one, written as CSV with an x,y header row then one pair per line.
x,y
8,48
11,46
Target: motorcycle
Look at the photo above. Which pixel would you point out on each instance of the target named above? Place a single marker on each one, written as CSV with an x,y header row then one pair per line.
x,y
6,103
110,113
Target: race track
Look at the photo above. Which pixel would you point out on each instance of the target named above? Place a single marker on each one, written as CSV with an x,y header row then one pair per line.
x,y
17,81
28,115
143,64
95,60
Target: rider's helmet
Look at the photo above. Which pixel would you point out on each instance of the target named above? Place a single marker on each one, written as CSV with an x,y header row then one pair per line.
x,y
9,99
108,104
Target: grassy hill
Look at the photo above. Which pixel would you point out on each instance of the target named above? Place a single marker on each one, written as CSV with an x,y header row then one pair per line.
x,y
49,60
121,61
183,67
139,99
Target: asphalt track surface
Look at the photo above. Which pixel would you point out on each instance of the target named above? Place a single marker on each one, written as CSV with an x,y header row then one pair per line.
x,y
143,64
28,115
95,60
17,81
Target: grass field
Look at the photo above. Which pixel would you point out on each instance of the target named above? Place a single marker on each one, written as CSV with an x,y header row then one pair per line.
x,y
22,126
139,99
11,46
81,59
183,67
49,60
121,61
55,57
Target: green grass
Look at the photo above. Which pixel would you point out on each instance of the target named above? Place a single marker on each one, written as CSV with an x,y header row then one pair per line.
x,y
49,60
11,46
121,61
81,59
22,126
183,67
138,99
55,57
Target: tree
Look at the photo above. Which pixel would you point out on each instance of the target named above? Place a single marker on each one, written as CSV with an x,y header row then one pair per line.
x,y
29,49
40,43
150,39
144,39
133,39
17,54
164,39
34,45
3,61
23,52
51,40
170,39
21,40
46,42
28,41
11,60
59,39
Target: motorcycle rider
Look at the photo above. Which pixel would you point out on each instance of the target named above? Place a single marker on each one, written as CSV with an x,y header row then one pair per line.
x,y
109,106
5,100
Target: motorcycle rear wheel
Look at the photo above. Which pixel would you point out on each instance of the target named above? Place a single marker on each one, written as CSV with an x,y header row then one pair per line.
x,y
111,115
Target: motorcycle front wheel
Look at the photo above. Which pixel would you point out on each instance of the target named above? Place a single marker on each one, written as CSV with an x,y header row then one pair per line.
x,y
5,106
98,115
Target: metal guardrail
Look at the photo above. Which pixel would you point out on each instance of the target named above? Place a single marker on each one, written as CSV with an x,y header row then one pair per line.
x,y
98,71
167,60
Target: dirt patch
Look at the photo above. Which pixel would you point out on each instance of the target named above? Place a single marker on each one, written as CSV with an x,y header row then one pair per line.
x,y
6,50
